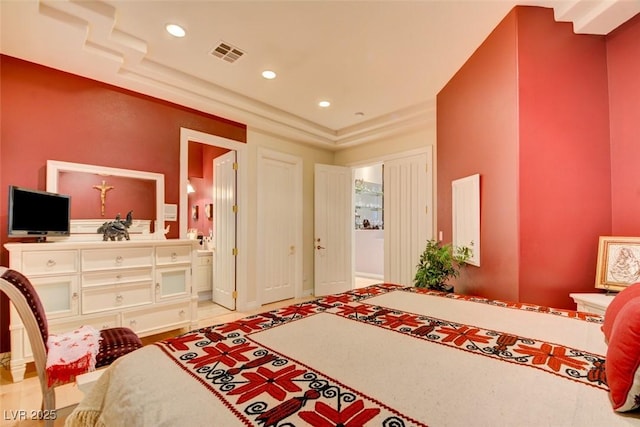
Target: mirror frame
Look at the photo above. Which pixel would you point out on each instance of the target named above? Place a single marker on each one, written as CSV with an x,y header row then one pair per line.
x,y
54,167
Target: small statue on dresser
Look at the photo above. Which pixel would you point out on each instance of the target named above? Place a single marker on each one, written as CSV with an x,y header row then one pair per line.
x,y
117,229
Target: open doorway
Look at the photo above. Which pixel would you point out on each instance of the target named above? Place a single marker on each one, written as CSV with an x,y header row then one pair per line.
x,y
369,225
201,224
211,193
237,290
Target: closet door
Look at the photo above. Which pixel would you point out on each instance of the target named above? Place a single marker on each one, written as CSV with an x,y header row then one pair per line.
x,y
408,214
279,225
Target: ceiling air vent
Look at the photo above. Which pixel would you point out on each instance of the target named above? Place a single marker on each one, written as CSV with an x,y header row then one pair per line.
x,y
227,52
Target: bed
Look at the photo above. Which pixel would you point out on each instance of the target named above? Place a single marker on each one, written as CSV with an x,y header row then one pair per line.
x,y
384,355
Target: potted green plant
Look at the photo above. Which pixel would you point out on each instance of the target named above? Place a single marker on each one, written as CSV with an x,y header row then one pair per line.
x,y
438,263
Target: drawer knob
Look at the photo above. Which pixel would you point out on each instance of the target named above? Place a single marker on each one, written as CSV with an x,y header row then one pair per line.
x,y
157,287
174,256
119,259
75,295
182,313
51,263
119,276
105,326
119,298
132,322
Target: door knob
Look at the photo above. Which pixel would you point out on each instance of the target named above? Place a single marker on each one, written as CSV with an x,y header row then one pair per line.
x,y
319,247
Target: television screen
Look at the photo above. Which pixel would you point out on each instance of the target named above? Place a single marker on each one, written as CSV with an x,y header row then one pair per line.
x,y
38,213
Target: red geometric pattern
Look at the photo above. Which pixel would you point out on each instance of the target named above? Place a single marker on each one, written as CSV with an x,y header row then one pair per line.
x,y
222,353
277,383
269,389
266,388
354,414
514,305
569,363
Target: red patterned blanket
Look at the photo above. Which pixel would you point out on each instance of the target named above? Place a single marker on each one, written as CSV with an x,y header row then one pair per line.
x,y
379,356
265,387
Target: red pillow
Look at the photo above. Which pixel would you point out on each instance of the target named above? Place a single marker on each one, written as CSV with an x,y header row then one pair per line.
x,y
623,358
614,307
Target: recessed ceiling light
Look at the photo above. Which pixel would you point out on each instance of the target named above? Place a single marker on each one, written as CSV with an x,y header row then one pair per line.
x,y
324,104
175,30
268,74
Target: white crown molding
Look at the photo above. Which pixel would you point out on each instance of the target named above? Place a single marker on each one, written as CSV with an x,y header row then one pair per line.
x,y
136,72
127,66
596,16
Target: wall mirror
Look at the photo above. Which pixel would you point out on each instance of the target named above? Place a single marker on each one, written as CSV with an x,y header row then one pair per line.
x,y
99,193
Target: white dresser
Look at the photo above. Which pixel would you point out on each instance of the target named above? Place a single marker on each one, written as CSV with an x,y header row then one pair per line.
x,y
145,285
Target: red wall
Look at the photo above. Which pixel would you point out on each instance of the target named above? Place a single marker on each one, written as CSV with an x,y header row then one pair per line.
x,y
623,56
535,126
201,178
477,127
48,114
126,194
565,168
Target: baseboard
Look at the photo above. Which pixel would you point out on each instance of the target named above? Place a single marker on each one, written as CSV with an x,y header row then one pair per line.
x,y
369,275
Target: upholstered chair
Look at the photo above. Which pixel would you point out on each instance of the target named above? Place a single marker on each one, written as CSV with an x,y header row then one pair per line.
x,y
114,342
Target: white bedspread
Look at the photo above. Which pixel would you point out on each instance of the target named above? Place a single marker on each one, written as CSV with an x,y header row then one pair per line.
x,y
380,356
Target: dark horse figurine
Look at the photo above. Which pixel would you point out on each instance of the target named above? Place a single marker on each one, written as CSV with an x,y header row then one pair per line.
x,y
116,229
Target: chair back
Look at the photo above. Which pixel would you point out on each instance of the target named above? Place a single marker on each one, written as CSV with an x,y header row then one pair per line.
x,y
31,311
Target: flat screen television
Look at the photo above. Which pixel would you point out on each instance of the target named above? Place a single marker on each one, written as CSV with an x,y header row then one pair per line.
x,y
38,213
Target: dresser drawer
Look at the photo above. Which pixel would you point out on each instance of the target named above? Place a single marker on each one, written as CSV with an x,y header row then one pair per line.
x,y
103,259
49,262
156,319
104,298
167,255
114,277
205,259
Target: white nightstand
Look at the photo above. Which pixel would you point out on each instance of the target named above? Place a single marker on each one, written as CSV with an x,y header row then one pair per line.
x,y
593,303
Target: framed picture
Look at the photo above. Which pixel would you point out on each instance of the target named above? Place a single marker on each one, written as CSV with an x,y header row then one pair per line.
x,y
618,262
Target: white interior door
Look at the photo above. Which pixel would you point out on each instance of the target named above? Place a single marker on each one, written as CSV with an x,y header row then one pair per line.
x,y
279,225
333,227
224,208
408,215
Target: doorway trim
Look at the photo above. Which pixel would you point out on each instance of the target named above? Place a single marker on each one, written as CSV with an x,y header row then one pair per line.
x,y
431,172
241,149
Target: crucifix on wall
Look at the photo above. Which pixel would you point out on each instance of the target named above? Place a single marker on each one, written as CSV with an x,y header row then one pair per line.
x,y
103,194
